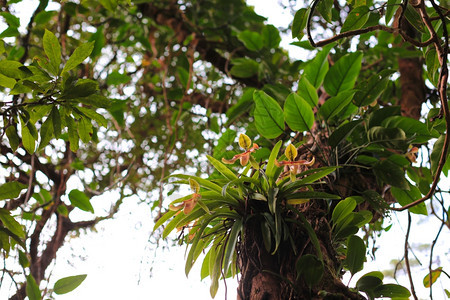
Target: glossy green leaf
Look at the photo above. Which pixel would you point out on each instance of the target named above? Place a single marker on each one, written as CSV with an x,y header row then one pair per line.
x,y
13,137
68,284
79,199
56,121
307,91
99,42
391,291
271,36
310,268
299,23
434,276
83,88
356,18
85,129
368,283
28,140
325,8
271,167
117,78
414,18
393,138
222,168
11,190
244,67
269,118
78,56
342,75
90,113
10,223
412,127
46,133
316,70
342,132
72,131
391,8
405,197
32,289
7,81
298,113
391,173
343,209
368,91
253,41
436,153
335,105
10,19
356,254
53,51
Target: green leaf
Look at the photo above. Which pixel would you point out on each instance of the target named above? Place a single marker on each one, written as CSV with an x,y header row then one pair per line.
x,y
391,174
231,244
414,18
391,8
342,210
78,56
56,121
28,141
307,91
11,69
368,283
271,167
253,41
271,36
10,19
342,132
391,291
99,42
68,284
299,23
53,51
10,223
356,18
269,118
13,137
222,168
32,289
436,153
310,268
90,113
85,129
83,88
405,197
46,133
316,70
244,67
7,82
368,91
79,199
356,254
72,131
343,74
393,138
116,78
325,8
335,105
110,5
298,114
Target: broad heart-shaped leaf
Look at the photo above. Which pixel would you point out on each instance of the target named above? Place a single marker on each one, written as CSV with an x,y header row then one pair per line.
x,y
11,190
310,268
356,254
269,118
335,105
298,113
371,89
342,75
253,41
368,283
32,289
307,91
405,197
343,209
317,68
244,67
391,8
391,174
68,284
79,199
299,23
391,291
434,276
53,51
11,223
78,56
356,18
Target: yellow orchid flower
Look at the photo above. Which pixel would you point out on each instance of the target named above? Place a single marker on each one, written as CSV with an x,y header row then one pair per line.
x,y
245,143
294,165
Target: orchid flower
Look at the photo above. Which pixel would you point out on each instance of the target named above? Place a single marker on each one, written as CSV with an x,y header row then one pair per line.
x,y
189,204
411,154
294,165
246,143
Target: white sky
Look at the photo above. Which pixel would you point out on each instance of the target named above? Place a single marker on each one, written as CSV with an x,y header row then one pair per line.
x,y
119,255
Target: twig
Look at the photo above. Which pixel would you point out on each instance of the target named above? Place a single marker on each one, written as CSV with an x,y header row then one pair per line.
x,y
408,268
30,180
